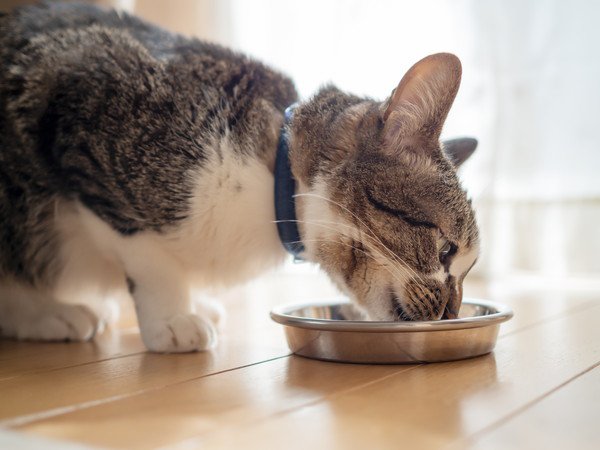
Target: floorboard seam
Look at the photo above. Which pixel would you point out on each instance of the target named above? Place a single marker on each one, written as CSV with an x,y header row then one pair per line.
x,y
54,369
592,304
195,440
19,421
479,434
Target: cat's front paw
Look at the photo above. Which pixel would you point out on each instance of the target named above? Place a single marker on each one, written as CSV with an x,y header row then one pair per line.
x,y
180,333
61,323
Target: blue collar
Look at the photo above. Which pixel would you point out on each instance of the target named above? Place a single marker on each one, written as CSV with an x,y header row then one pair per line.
x,y
285,187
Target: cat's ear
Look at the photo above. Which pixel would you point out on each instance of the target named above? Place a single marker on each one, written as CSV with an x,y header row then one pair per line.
x,y
419,105
459,149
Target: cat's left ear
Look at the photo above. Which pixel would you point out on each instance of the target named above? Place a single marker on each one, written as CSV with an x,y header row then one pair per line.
x,y
419,105
459,150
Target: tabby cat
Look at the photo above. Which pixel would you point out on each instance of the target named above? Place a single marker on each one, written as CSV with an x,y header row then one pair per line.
x,y
133,160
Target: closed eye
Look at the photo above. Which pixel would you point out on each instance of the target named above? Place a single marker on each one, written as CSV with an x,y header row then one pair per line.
x,y
398,212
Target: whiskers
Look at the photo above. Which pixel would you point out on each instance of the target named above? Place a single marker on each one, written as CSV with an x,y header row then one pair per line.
x,y
398,273
374,242
366,253
398,312
368,238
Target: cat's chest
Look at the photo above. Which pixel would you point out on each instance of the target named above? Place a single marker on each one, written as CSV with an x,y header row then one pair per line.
x,y
230,233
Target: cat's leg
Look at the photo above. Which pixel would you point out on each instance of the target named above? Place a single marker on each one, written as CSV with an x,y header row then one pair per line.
x,y
81,288
32,314
166,313
210,308
87,286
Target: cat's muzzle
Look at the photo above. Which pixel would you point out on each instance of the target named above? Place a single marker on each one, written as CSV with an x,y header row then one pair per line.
x,y
422,302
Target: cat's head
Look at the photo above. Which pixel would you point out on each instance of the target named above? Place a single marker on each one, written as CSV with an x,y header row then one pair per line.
x,y
379,202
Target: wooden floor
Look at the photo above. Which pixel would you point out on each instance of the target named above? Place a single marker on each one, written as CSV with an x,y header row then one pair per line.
x,y
540,389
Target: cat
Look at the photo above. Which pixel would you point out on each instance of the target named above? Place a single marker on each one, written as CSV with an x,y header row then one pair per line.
x,y
134,161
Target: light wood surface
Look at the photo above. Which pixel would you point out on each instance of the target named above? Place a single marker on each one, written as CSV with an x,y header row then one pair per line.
x,y
541,385
567,417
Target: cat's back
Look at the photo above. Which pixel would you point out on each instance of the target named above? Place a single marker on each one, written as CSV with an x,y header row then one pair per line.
x,y
95,104
69,53
50,22
51,29
68,69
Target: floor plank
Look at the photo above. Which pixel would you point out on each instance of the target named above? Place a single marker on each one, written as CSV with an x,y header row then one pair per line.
x,y
250,335
22,358
566,418
96,382
11,440
434,405
200,406
112,393
351,406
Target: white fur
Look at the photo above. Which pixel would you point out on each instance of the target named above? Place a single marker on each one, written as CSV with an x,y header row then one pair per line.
x,y
463,261
230,236
319,221
26,313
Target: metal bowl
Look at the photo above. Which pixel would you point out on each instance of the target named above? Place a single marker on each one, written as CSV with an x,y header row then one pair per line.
x,y
337,331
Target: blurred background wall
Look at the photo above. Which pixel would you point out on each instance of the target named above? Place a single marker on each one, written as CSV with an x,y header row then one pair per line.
x,y
530,94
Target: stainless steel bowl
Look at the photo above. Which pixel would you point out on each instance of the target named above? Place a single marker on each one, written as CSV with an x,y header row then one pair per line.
x,y
337,331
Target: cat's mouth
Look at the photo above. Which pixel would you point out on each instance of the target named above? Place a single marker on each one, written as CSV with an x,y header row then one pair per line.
x,y
398,311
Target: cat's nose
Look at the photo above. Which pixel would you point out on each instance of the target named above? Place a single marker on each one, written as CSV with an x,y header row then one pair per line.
x,y
448,315
454,301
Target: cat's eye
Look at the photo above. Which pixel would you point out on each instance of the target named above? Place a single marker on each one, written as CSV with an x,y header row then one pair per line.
x,y
447,249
